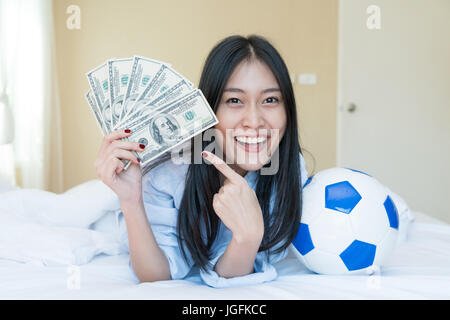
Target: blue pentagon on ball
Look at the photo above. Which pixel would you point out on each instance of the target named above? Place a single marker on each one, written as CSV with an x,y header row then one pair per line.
x,y
302,241
358,255
392,213
341,196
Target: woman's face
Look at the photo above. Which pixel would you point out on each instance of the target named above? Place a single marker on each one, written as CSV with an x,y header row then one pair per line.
x,y
252,117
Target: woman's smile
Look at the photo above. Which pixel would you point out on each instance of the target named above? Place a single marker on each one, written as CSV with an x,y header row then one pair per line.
x,y
251,143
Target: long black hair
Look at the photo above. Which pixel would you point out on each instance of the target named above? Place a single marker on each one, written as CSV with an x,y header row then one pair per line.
x,y
198,224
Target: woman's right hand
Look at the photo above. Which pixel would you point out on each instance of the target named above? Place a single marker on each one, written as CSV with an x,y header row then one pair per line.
x,y
127,184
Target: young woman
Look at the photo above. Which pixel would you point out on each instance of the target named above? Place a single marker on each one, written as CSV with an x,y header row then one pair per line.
x,y
222,217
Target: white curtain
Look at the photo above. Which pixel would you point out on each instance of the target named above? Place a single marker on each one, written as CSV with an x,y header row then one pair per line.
x,y
28,76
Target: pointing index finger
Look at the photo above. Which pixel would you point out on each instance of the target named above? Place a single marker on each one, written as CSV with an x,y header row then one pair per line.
x,y
220,165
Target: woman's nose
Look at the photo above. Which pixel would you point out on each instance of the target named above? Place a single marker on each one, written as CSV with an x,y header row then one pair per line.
x,y
253,117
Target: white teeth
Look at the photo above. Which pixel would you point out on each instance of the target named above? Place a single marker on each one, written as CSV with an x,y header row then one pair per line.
x,y
251,140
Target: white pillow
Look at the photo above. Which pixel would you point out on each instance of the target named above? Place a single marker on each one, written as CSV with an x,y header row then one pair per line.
x,y
6,186
47,228
78,207
30,242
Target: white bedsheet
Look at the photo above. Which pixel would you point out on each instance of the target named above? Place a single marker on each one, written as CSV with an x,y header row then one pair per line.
x,y
418,269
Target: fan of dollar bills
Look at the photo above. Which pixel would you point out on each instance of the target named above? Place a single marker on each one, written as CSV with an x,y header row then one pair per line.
x,y
160,107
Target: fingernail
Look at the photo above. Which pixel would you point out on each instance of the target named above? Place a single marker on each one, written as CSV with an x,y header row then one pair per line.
x,y
139,160
127,131
141,146
204,154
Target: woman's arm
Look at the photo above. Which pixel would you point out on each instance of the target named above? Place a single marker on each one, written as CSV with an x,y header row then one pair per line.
x,y
238,259
147,259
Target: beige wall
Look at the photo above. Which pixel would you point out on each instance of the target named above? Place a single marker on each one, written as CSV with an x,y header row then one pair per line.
x,y
182,33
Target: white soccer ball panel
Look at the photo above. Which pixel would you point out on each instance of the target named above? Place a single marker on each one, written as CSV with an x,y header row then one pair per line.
x,y
331,231
312,202
325,263
386,247
369,221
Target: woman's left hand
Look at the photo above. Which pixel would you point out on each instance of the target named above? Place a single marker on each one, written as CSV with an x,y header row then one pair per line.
x,y
236,204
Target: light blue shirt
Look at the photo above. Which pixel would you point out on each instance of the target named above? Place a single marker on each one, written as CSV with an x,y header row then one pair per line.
x,y
163,189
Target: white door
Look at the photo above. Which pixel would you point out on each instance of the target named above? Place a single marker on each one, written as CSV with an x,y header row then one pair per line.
x,y
394,97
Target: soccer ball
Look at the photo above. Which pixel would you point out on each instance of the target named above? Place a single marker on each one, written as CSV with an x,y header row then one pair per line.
x,y
349,223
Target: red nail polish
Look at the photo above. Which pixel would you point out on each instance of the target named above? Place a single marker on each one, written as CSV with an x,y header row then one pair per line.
x,y
139,160
141,146
204,154
127,131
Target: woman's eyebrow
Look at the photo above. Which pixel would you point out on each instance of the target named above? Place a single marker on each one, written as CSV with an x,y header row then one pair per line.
x,y
271,90
233,90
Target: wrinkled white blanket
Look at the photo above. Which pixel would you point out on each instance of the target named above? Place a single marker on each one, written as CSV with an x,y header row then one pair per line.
x,y
47,228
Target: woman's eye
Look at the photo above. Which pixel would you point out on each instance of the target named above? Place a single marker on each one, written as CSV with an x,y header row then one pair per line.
x,y
233,100
271,100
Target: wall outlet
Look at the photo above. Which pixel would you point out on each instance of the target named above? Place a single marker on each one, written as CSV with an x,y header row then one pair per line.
x,y
307,79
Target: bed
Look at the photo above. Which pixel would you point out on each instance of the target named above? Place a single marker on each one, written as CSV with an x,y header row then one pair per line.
x,y
419,268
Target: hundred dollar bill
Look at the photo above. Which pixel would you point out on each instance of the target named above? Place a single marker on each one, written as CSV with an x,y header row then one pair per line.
x,y
165,79
143,71
118,76
94,108
181,89
98,80
171,126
